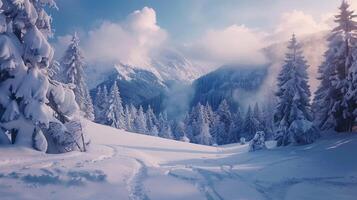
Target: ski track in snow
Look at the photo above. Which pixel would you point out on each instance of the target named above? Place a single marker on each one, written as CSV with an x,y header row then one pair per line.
x,y
205,184
135,184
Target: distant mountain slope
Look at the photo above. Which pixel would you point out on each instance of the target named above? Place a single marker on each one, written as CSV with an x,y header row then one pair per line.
x,y
233,83
136,86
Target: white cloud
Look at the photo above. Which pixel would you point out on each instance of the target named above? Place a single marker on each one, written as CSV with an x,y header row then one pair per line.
x,y
130,41
234,44
353,4
300,23
136,39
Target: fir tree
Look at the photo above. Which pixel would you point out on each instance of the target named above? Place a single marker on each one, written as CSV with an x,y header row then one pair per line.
x,y
165,130
236,127
151,121
250,125
294,98
73,73
140,122
31,101
257,113
334,101
226,120
128,118
115,112
101,104
131,118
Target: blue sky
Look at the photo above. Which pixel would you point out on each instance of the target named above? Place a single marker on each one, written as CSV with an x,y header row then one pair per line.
x,y
184,19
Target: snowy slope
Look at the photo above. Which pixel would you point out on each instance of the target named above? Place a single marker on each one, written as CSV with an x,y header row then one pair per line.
x,y
122,165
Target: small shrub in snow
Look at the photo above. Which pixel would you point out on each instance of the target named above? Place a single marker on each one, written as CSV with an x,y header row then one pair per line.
x,y
242,140
258,142
185,139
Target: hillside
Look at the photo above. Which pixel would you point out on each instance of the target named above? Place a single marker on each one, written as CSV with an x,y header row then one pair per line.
x,y
122,165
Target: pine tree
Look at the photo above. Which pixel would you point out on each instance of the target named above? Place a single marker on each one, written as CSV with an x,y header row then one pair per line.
x,y
115,113
250,125
236,126
151,121
140,121
128,118
210,114
165,130
31,101
179,131
333,102
132,116
154,131
202,124
256,112
267,120
101,104
73,73
188,126
225,117
294,110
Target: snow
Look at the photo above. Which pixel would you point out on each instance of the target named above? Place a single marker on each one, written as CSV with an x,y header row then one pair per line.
x,y
124,165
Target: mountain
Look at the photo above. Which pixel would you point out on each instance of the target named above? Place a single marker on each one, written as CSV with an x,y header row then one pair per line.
x,y
171,65
136,86
235,83
171,82
147,85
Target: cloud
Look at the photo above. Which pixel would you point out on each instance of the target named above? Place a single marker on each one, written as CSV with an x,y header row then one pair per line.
x,y
130,41
234,44
300,23
243,45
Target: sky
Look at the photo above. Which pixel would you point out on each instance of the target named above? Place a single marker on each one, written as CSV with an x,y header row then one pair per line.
x,y
186,19
208,32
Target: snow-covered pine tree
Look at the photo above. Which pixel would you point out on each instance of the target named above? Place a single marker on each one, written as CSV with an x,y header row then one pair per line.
x,y
29,99
210,114
202,125
257,113
179,131
128,118
140,121
101,104
293,110
72,72
225,117
154,131
115,111
334,103
236,127
151,121
130,121
267,120
96,102
165,130
188,126
250,125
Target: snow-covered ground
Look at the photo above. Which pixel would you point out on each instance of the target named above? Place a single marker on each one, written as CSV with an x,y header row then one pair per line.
x,y
122,165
